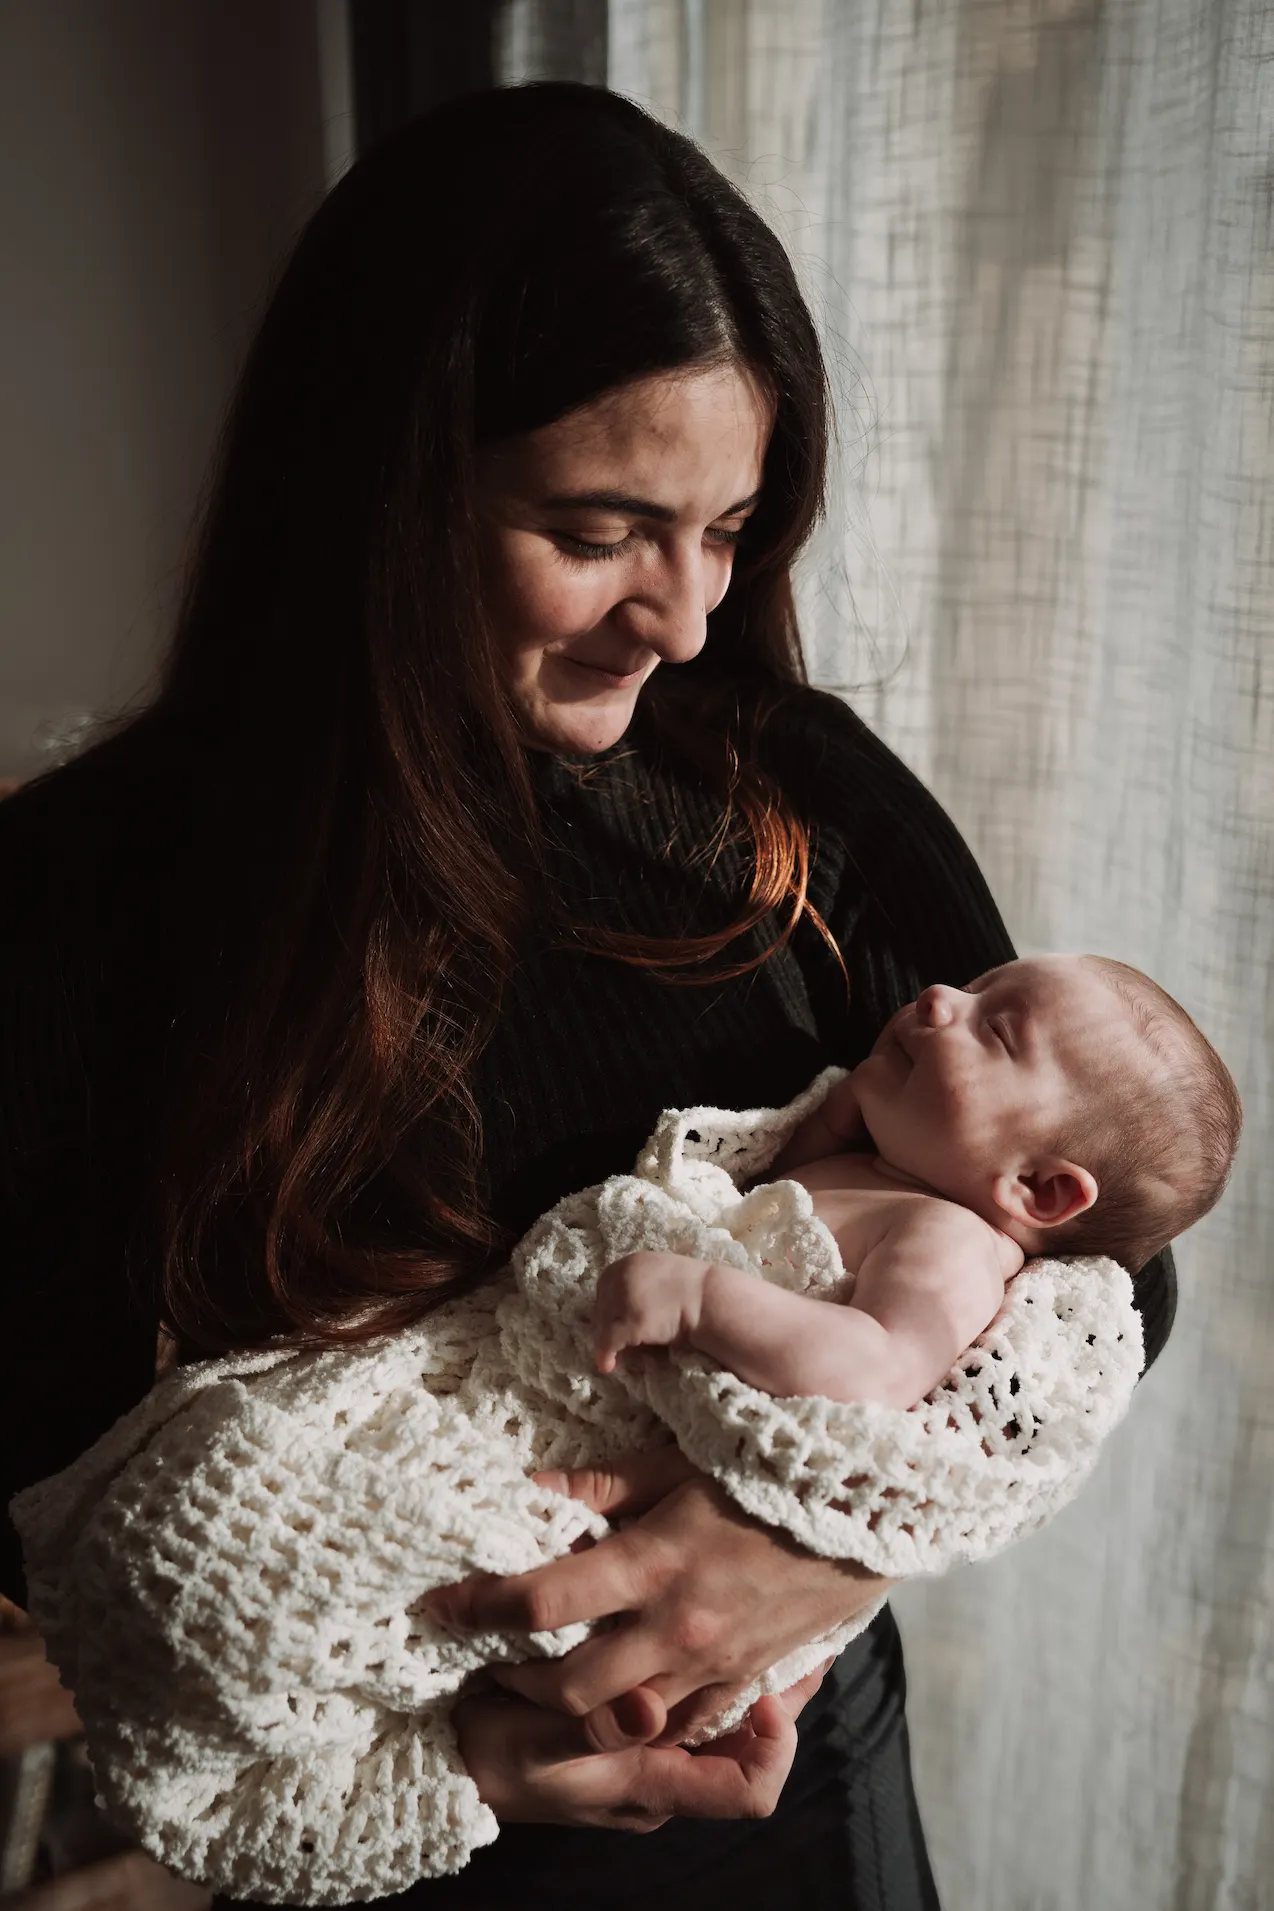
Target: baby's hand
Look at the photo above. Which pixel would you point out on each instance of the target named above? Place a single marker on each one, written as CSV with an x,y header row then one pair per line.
x,y
646,1300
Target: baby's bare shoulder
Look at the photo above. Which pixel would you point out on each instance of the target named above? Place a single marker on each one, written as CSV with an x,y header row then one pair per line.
x,y
866,1207
933,1218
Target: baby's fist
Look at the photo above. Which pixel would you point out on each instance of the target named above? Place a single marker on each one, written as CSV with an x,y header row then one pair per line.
x,y
645,1300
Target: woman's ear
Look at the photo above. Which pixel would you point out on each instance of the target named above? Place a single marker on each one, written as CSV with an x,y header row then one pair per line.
x,y
1045,1195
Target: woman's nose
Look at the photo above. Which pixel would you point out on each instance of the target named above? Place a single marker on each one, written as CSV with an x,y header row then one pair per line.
x,y
671,614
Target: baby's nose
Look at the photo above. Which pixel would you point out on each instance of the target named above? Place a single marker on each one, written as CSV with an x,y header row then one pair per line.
x,y
935,1006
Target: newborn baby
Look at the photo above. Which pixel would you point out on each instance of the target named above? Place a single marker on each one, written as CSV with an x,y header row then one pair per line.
x,y
1064,1105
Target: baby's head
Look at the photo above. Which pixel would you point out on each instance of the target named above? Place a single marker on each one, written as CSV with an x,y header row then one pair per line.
x,y
1067,1099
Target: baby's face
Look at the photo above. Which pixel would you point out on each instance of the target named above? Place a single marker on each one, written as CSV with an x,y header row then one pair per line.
x,y
965,1085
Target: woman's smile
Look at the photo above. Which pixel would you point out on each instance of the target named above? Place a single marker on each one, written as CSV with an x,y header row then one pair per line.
x,y
607,674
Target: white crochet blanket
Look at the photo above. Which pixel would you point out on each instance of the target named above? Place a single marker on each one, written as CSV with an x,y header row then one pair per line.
x,y
230,1580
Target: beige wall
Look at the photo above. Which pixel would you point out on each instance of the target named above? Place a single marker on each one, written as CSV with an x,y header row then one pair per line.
x,y
156,158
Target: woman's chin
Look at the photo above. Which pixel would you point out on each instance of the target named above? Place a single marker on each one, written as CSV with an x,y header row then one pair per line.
x,y
580,729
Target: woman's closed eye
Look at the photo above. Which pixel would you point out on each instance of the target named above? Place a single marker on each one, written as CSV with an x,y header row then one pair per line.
x,y
592,551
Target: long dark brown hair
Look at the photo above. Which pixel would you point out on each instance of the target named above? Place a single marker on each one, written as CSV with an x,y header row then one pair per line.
x,y
366,844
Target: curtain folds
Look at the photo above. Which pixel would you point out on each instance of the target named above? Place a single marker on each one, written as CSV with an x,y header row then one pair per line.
x,y
1039,235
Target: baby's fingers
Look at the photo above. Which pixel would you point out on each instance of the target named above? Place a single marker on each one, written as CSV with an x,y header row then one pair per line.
x,y
609,1341
612,1322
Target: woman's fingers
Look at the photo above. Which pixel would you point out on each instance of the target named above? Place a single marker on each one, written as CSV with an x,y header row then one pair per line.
x,y
797,1697
561,1593
688,1716
631,1485
627,1658
528,1767
740,1776
642,1716
612,1577
634,1718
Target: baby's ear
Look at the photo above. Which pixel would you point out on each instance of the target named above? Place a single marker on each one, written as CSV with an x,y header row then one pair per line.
x,y
1046,1195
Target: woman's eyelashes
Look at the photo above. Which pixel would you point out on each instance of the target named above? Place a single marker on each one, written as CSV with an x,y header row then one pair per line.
x,y
593,553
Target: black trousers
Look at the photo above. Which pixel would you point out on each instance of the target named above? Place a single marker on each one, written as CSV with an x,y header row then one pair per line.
x,y
846,1835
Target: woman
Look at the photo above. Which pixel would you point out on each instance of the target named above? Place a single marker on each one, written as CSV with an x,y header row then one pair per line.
x,y
481,815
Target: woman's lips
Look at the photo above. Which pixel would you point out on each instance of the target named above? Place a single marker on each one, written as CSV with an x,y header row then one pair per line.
x,y
617,679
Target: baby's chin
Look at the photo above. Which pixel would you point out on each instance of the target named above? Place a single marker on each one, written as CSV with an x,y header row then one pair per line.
x,y
877,1082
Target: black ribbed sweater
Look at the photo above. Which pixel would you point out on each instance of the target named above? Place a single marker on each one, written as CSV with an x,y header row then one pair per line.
x,y
587,1052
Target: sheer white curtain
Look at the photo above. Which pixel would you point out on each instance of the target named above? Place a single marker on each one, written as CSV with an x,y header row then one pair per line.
x,y
1040,237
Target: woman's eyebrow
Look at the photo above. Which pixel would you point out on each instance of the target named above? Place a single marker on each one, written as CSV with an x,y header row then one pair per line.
x,y
635,507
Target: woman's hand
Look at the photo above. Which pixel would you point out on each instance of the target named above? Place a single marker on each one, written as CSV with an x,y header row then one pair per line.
x,y
708,1600
534,1766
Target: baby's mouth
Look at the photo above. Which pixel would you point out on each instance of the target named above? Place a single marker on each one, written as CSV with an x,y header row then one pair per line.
x,y
891,1041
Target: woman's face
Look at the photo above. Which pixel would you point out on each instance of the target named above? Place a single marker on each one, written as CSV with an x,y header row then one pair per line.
x,y
609,536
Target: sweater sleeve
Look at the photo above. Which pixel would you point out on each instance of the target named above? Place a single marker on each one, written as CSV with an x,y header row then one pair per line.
x,y
905,900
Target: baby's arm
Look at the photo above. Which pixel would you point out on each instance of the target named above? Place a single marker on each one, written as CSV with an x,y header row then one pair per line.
x,y
928,1287
923,1292
781,1342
